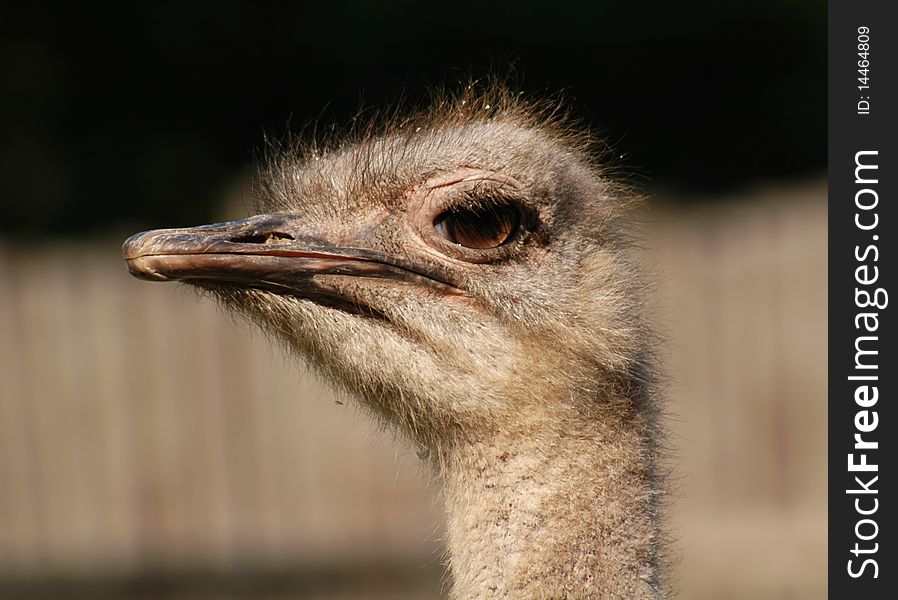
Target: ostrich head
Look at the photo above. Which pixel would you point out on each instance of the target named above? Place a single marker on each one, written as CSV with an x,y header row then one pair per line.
x,y
460,270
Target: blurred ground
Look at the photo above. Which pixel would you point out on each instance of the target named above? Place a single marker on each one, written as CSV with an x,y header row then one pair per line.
x,y
151,447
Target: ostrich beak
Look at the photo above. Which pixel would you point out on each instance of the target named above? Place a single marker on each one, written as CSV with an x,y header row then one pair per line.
x,y
263,252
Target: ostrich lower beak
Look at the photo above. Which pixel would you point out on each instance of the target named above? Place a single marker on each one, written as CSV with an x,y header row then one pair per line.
x,y
262,252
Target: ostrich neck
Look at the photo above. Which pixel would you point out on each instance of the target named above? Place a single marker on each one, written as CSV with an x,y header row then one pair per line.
x,y
562,511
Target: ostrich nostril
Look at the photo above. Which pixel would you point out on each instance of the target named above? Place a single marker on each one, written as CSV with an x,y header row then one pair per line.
x,y
267,237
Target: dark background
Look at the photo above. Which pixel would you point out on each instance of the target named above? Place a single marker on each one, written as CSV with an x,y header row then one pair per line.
x,y
118,117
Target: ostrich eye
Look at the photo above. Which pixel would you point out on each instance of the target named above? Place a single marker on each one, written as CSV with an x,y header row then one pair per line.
x,y
480,228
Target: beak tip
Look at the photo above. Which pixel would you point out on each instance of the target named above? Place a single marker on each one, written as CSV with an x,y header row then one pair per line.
x,y
133,246
136,251
142,268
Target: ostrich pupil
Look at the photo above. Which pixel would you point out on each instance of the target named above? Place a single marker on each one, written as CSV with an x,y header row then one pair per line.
x,y
479,228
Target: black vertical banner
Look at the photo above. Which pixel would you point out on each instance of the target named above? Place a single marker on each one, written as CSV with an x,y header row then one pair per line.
x,y
863,371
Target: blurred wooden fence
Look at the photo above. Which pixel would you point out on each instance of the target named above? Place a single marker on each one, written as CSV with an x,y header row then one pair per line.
x,y
142,429
744,299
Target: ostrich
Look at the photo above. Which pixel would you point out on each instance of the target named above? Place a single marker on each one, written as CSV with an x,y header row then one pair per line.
x,y
464,273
